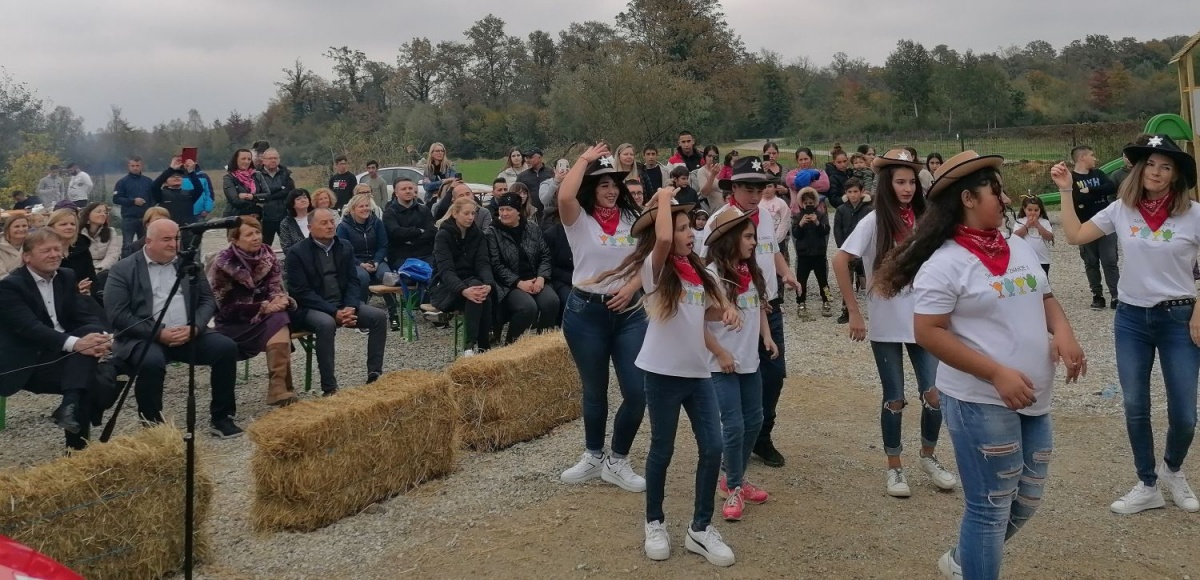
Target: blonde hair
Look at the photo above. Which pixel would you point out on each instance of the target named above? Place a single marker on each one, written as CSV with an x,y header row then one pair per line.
x,y
362,188
10,220
617,158
357,199
63,214
1131,191
155,213
457,206
324,191
429,168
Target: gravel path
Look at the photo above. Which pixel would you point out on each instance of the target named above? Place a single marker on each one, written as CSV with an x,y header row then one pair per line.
x,y
520,484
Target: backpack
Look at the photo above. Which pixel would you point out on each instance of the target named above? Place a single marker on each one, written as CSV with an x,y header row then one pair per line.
x,y
416,270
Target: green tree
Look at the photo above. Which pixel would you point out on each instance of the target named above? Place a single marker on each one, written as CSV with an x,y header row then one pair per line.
x,y
690,36
418,69
491,60
23,173
908,72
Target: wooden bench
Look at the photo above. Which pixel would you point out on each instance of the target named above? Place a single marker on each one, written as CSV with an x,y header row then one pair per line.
x,y
308,342
411,296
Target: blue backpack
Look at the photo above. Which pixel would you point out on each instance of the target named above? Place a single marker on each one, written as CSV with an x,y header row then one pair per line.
x,y
416,270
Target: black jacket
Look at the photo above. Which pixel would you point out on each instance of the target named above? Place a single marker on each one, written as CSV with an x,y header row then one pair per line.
x,y
1099,190
410,232
847,218
505,255
811,239
837,185
562,263
459,261
304,278
278,188
177,202
533,180
78,259
26,333
235,205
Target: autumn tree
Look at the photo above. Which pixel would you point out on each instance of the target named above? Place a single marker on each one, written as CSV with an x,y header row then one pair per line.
x,y
691,37
908,72
417,65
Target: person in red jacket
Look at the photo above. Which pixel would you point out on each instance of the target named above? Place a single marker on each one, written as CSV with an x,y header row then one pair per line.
x,y
686,153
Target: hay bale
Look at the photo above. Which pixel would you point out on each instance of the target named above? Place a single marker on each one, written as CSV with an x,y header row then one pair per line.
x,y
318,461
114,510
516,393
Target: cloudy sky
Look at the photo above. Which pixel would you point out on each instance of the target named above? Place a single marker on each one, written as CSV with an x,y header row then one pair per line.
x,y
226,54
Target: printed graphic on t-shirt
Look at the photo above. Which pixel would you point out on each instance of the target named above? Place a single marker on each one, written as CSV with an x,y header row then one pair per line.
x,y
692,295
1014,283
748,300
1163,234
339,184
621,240
767,247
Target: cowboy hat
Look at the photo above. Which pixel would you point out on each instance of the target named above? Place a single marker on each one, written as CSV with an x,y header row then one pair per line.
x,y
960,166
746,170
899,157
726,221
605,166
1164,145
648,215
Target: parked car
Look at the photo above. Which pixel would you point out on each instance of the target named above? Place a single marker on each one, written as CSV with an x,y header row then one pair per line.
x,y
390,174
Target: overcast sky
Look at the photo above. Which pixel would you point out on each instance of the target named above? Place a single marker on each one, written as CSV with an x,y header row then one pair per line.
x,y
225,55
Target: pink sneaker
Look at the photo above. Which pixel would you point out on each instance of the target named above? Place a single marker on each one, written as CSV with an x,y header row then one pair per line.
x,y
732,510
722,487
752,494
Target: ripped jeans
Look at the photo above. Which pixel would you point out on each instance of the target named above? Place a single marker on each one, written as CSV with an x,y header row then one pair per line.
x,y
889,360
1003,462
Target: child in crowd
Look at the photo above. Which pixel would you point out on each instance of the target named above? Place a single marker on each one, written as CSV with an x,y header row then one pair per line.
x,y
860,169
856,205
680,296
680,177
1034,226
810,234
775,206
734,361
698,219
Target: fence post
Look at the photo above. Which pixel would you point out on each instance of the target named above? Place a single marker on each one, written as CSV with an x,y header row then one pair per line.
x,y
962,143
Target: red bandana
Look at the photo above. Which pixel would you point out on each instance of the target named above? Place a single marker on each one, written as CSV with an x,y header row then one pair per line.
x,y
988,245
744,278
686,271
608,218
1156,211
909,217
733,202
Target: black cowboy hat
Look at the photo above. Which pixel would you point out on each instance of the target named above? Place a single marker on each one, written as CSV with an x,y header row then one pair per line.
x,y
1164,145
605,166
747,170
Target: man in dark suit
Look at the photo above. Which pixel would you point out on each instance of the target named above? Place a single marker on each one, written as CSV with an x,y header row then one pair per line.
x,y
50,339
136,292
322,279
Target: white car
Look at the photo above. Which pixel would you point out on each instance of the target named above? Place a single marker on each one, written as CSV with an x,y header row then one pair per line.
x,y
391,174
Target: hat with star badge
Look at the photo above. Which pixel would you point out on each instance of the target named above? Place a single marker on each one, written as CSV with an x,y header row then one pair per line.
x,y
1164,145
746,170
900,157
606,166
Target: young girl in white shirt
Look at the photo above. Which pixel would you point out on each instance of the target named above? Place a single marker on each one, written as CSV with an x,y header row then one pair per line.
x,y
1158,229
899,202
731,243
1034,226
983,307
680,296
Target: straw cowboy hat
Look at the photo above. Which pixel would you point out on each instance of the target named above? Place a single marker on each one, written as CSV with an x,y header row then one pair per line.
x,y
648,215
727,221
746,170
1164,145
960,166
900,157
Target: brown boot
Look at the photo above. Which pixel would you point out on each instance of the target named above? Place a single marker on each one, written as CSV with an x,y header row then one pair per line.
x,y
280,391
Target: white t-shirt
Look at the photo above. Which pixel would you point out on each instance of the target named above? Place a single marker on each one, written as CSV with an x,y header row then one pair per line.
x,y
1003,317
302,223
742,344
891,318
596,252
1157,265
780,213
1034,237
765,254
675,347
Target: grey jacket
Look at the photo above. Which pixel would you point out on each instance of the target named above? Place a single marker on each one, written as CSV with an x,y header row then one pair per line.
x,y
129,303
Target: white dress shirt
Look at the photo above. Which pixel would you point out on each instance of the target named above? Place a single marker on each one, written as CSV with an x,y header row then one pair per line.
x,y
45,287
162,278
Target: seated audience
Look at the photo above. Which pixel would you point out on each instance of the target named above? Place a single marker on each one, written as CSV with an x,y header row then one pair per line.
x,y
77,248
23,201
368,239
16,228
294,228
562,263
464,279
409,225
521,268
152,214
104,247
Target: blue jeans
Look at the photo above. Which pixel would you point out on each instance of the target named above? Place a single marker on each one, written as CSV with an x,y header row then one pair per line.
x,y
740,400
1139,332
596,335
1003,462
365,279
889,360
664,396
772,371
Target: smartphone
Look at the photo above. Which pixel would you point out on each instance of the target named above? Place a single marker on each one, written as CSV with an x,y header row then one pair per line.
x,y
808,210
562,165
189,154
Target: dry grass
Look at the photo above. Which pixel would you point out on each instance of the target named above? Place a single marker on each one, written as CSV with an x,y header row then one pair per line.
x,y
516,393
114,510
318,461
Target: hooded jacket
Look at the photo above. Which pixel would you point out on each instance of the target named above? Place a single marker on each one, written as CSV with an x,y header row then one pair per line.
x,y
177,202
837,184
847,217
368,240
460,261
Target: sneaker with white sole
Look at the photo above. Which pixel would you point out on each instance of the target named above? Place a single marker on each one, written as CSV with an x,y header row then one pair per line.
x,y
1140,498
620,473
710,545
950,569
586,470
1181,492
940,475
734,506
897,484
658,541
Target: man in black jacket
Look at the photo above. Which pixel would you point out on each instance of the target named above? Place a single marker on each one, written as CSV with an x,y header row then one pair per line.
x,y
50,339
22,201
533,178
279,184
133,194
322,280
409,225
1092,192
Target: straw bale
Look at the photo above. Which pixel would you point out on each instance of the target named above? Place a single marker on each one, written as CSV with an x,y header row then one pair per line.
x,y
516,393
318,461
114,510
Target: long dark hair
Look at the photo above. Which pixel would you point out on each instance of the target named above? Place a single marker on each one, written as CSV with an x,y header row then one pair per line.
x,y
943,214
587,197
233,160
104,234
888,225
725,252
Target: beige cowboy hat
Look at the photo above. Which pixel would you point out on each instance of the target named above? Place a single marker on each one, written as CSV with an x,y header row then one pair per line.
x,y
960,166
651,211
726,222
899,157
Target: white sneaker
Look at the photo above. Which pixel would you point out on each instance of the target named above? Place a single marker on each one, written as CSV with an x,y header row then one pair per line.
x,y
940,475
468,352
710,545
948,567
620,473
897,484
587,469
658,541
1181,492
1141,498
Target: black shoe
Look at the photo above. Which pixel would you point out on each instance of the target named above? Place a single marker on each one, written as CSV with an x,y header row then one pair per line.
x,y
844,318
372,377
64,416
769,454
225,428
330,392
1098,303
395,320
1113,304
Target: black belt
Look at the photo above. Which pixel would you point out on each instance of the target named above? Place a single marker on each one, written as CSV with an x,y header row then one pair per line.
x,y
1176,302
592,296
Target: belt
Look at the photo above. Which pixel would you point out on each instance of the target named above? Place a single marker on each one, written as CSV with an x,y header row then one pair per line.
x,y
1176,302
592,296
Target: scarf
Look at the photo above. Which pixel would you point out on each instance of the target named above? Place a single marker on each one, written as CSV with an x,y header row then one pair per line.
x,y
246,178
743,277
686,272
988,245
909,218
1156,211
608,218
245,268
754,218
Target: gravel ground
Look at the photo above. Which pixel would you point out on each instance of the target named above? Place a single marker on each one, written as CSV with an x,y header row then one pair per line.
x,y
506,515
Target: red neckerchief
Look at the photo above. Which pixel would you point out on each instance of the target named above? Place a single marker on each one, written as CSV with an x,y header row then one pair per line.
x,y
744,278
1156,211
988,245
608,218
909,218
733,202
686,271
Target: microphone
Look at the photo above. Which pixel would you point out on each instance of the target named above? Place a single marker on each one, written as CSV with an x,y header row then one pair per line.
x,y
224,223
